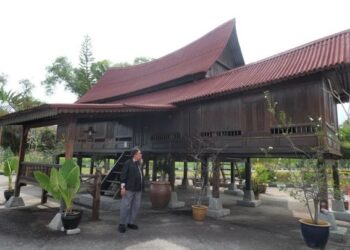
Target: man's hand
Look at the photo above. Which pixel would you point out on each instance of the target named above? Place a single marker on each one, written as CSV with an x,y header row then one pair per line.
x,y
122,192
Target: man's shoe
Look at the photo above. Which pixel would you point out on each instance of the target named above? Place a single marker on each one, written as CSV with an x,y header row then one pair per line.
x,y
133,226
122,228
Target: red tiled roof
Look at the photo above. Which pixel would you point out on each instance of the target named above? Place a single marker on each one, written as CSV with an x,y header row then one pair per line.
x,y
195,58
49,112
320,55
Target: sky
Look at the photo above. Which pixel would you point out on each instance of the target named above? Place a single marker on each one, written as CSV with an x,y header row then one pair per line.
x,y
34,33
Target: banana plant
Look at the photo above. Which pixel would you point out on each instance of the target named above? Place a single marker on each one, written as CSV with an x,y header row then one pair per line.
x,y
10,168
62,184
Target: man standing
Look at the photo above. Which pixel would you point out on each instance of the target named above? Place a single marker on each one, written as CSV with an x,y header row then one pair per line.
x,y
132,183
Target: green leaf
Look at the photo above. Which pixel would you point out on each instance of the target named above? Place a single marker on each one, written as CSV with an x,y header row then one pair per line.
x,y
13,164
54,180
73,179
43,180
71,173
7,170
67,166
62,182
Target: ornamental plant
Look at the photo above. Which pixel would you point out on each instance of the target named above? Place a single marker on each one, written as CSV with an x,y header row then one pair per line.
x,y
62,184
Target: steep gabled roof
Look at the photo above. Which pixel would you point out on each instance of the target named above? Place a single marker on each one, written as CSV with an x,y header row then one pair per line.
x,y
320,55
193,60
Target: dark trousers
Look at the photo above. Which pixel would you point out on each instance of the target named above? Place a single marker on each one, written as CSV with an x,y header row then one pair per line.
x,y
130,207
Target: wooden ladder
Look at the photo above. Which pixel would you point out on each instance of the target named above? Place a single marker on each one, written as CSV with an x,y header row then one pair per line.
x,y
110,185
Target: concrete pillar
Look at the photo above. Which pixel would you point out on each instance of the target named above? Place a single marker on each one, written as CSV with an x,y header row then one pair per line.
x,y
232,189
337,203
248,198
215,208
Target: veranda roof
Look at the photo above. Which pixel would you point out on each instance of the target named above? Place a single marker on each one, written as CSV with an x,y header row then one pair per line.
x,y
51,113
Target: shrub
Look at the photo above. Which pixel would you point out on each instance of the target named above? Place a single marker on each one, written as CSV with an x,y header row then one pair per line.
x,y
283,176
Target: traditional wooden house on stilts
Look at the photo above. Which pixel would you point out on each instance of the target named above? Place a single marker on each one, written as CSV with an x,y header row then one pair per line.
x,y
206,91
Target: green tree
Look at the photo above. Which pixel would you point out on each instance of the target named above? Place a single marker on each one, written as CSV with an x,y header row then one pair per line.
x,y
142,59
137,60
344,136
11,101
25,100
47,139
77,80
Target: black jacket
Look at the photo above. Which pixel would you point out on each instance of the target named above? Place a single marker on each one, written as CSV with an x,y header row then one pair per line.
x,y
132,176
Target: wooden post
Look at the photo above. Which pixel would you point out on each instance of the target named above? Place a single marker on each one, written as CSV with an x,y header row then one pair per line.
x,y
57,159
216,179
91,165
154,170
248,175
96,196
205,166
232,173
147,170
70,138
80,161
22,150
172,175
336,182
222,170
43,196
184,179
324,188
109,164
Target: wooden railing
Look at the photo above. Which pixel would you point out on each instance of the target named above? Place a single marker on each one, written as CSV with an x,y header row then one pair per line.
x,y
28,169
89,183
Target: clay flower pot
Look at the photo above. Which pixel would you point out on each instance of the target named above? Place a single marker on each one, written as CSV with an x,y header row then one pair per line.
x,y
160,194
199,212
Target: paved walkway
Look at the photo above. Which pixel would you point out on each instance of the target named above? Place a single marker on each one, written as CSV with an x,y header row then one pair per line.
x,y
271,226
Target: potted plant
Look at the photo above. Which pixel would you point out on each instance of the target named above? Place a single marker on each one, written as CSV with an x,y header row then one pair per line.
x,y
160,190
308,177
256,187
261,177
63,184
10,168
199,211
200,149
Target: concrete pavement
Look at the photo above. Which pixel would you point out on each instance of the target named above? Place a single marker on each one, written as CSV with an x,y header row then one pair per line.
x,y
271,226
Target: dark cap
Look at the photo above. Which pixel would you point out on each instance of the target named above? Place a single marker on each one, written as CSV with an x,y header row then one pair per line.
x,y
134,150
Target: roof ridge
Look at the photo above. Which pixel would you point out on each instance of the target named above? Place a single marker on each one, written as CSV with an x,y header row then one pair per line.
x,y
283,53
303,46
233,20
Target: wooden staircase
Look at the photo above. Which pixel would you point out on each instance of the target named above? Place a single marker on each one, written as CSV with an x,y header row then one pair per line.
x,y
110,185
